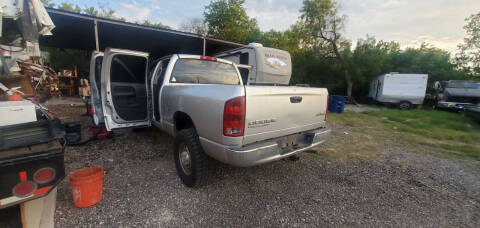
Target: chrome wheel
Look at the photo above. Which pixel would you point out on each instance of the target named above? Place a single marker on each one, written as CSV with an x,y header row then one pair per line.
x,y
185,159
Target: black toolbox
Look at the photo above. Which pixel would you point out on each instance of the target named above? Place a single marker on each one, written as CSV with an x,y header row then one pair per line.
x,y
25,134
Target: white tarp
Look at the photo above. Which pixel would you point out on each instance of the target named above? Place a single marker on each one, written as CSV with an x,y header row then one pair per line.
x,y
44,22
11,8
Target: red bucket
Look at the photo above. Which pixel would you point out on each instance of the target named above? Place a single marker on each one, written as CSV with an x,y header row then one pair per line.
x,y
87,186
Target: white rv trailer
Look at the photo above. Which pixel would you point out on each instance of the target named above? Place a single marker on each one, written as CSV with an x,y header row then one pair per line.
x,y
261,65
404,90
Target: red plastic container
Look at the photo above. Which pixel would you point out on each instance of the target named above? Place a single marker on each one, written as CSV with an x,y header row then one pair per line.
x,y
87,186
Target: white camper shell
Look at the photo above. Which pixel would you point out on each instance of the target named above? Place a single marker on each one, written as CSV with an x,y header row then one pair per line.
x,y
261,65
404,90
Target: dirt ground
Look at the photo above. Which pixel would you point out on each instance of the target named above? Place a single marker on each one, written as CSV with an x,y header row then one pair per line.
x,y
393,188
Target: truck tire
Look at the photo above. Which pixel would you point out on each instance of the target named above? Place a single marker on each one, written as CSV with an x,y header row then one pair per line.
x,y
404,105
191,161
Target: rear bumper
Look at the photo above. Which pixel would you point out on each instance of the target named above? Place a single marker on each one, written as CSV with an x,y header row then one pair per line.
x,y
265,151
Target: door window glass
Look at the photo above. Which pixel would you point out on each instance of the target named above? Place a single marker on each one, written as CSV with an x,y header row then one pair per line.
x,y
244,58
244,73
130,69
198,71
128,90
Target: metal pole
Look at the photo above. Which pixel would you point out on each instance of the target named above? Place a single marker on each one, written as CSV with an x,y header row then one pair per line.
x,y
96,36
204,46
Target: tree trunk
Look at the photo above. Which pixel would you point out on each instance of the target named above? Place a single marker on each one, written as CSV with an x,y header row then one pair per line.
x,y
348,79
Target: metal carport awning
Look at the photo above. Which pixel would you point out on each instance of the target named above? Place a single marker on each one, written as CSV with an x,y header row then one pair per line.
x,y
80,31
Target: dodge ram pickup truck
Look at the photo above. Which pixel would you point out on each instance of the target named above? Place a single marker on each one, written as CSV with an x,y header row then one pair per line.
x,y
205,105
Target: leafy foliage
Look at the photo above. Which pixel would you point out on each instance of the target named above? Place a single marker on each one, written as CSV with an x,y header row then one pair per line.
x,y
153,24
468,57
370,59
62,58
321,26
228,20
195,25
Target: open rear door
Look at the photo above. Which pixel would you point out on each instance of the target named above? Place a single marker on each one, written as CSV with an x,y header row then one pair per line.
x,y
123,89
95,81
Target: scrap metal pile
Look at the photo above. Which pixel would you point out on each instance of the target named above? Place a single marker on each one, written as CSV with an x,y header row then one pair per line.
x,y
44,79
33,80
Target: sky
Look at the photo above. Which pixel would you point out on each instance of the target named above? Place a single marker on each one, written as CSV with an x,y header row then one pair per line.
x,y
409,22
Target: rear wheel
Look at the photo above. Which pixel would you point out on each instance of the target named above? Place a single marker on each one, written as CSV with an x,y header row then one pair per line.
x,y
404,105
190,160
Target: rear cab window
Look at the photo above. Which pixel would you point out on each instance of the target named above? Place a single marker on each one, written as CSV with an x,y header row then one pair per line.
x,y
196,71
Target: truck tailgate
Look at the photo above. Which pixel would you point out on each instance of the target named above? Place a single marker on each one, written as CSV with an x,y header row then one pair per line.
x,y
275,111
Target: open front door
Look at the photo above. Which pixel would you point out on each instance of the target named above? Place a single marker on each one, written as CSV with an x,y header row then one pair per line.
x,y
123,89
95,77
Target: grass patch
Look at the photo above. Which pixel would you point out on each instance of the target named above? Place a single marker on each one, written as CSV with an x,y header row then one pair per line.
x,y
352,137
433,124
470,151
452,132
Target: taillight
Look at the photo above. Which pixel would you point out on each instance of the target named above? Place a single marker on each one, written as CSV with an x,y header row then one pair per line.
x,y
44,175
234,117
208,58
24,189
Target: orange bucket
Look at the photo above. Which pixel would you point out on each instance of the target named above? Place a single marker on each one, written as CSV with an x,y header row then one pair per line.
x,y
87,186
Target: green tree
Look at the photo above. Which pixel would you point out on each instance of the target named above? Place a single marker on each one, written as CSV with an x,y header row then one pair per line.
x,y
70,7
228,20
322,25
195,25
153,24
288,40
102,11
468,57
370,58
91,11
426,59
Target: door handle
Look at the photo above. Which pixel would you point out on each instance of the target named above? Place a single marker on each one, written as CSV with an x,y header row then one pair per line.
x,y
296,99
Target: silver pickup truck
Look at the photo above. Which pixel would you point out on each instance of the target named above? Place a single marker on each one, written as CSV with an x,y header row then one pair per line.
x,y
204,104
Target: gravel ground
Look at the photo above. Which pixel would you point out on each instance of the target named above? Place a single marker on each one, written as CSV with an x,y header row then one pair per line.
x,y
141,189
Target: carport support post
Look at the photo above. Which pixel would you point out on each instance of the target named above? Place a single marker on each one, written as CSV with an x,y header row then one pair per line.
x,y
204,46
96,35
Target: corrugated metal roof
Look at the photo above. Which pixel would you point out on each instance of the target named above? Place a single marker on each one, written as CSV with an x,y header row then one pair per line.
x,y
76,31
